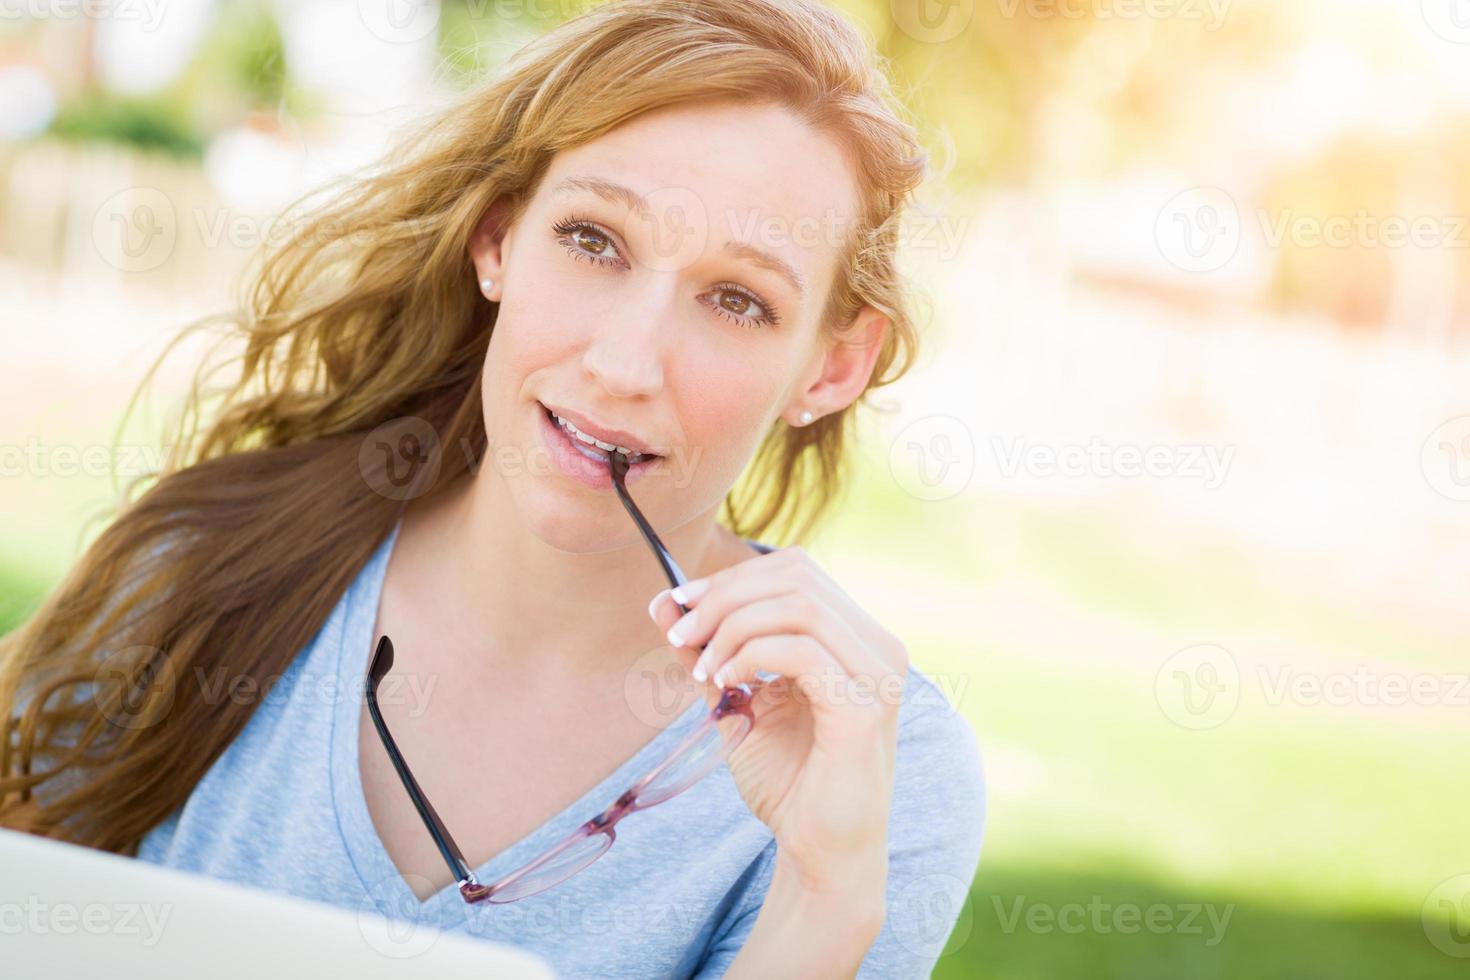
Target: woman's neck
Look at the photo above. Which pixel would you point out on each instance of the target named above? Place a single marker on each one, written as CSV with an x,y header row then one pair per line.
x,y
472,575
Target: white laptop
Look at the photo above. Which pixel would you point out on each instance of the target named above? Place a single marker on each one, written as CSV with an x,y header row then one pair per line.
x,y
68,911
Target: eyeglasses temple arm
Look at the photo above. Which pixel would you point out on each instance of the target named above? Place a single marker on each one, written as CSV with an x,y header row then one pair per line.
x,y
618,463
381,663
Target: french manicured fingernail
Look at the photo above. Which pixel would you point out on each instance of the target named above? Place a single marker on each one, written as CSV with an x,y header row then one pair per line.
x,y
677,631
653,602
690,591
699,671
721,676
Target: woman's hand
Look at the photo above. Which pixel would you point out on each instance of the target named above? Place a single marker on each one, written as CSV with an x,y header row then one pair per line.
x,y
817,768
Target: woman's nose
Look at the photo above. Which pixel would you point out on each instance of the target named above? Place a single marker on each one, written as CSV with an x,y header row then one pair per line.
x,y
626,352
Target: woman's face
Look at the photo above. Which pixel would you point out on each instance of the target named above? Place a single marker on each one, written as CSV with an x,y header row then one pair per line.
x,y
665,281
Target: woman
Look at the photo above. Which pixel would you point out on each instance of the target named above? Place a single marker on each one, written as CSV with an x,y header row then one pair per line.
x,y
670,226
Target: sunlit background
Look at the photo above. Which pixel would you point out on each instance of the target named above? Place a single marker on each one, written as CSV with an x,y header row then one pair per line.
x,y
1175,506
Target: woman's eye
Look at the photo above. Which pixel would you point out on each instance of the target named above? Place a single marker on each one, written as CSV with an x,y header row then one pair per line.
x,y
740,305
586,241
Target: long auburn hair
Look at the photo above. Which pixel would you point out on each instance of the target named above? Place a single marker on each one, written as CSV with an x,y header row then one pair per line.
x,y
257,521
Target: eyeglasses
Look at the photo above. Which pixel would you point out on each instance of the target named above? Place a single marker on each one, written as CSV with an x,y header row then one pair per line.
x,y
696,756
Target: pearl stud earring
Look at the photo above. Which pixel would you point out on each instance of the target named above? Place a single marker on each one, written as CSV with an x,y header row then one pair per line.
x,y
486,285
806,418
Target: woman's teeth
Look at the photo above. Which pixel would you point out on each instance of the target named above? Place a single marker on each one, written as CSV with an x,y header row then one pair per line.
x,y
584,438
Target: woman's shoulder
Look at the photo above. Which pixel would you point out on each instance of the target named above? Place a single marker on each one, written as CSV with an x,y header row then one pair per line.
x,y
937,745
935,828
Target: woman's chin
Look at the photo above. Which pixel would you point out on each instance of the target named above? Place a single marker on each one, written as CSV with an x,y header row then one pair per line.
x,y
575,522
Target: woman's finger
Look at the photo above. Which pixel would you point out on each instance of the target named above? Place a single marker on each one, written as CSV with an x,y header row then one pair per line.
x,y
725,595
810,670
801,659
728,589
663,611
794,614
789,569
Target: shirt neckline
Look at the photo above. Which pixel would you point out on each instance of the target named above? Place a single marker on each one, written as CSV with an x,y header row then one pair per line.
x,y
380,877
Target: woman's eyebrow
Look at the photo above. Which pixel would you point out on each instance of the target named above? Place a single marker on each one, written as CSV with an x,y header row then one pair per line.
x,y
606,189
766,260
627,197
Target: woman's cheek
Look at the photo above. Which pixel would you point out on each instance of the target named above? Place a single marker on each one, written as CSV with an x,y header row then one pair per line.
x,y
730,423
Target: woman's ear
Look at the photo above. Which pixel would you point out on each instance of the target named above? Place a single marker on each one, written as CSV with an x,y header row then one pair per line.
x,y
841,367
487,247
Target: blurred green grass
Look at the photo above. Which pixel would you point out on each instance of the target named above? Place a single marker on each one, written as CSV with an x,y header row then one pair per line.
x,y
1262,940
1326,827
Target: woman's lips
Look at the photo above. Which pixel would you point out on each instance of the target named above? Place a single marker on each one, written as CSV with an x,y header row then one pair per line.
x,y
570,461
603,439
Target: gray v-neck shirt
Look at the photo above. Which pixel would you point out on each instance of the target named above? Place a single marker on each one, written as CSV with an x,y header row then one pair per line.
x,y
677,894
